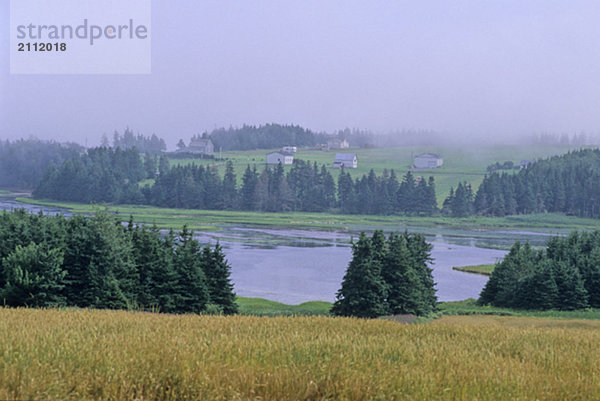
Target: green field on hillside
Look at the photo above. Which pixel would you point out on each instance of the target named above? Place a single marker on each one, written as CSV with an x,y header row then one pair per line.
x,y
460,163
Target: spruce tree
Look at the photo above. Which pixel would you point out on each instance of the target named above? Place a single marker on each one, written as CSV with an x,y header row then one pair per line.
x,y
363,290
571,291
34,276
404,286
217,272
191,291
420,251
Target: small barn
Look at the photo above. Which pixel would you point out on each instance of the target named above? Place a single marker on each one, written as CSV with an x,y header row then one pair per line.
x,y
346,160
280,157
428,160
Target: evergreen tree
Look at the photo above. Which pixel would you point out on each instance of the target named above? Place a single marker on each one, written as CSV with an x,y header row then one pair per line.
x,y
420,251
191,292
217,272
404,286
248,191
571,294
229,192
346,192
363,290
34,276
541,291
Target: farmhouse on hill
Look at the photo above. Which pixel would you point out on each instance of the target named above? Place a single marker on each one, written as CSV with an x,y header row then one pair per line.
x,y
428,160
280,157
346,160
198,145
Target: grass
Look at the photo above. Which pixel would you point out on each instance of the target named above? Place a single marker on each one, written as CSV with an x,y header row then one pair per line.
x,y
90,354
265,307
214,219
460,163
484,270
470,307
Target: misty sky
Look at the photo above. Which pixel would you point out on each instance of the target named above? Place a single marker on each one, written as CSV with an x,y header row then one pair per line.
x,y
477,68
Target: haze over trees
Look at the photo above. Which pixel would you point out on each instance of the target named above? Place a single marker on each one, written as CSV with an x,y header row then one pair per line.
x,y
97,262
568,184
387,276
144,144
267,136
565,275
24,162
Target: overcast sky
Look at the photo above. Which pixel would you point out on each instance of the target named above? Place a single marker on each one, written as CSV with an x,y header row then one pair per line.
x,y
491,69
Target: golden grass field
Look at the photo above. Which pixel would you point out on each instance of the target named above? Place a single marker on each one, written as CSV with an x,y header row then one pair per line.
x,y
88,354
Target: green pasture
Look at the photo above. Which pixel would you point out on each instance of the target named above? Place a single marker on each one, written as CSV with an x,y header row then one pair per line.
x,y
461,163
265,307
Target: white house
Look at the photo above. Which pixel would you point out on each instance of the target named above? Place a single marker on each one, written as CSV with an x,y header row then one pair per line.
x,y
336,143
346,160
289,149
428,160
199,145
280,157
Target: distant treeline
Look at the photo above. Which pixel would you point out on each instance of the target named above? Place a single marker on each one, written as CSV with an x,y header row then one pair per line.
x,y
568,184
566,275
100,175
112,175
24,162
150,144
305,187
99,263
267,136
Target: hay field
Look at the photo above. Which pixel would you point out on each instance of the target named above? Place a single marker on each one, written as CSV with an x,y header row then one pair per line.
x,y
87,354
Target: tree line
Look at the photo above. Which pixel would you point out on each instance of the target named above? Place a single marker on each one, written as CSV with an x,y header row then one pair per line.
x,y
98,262
387,276
306,187
101,175
267,136
24,162
112,175
145,144
565,275
568,184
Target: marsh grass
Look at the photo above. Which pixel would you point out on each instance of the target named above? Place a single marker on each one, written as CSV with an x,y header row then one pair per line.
x,y
212,220
470,307
484,270
89,354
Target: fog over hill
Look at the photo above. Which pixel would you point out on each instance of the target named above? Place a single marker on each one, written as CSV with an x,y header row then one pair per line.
x,y
496,71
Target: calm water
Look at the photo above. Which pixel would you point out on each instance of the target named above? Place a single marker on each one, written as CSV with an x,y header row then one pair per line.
x,y
294,266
